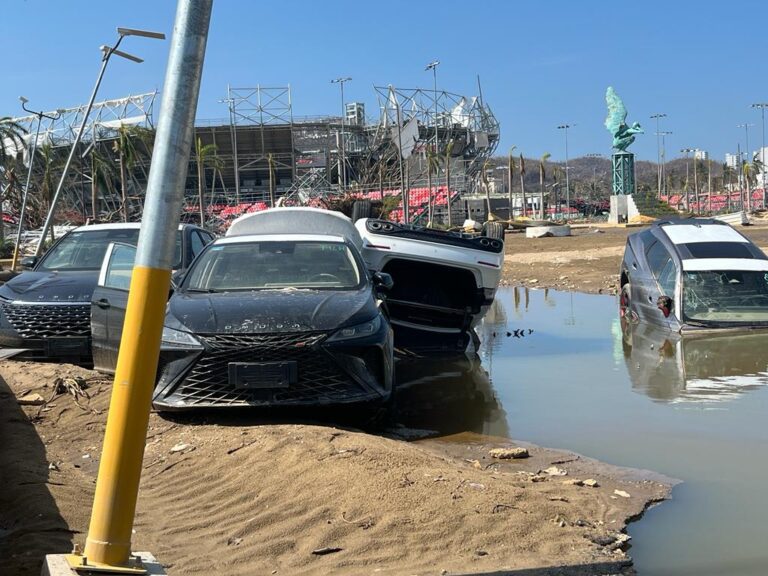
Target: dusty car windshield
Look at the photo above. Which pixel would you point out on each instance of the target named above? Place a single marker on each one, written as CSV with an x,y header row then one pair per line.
x,y
726,296
84,250
274,265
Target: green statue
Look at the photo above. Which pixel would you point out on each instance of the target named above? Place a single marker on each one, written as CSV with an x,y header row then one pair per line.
x,y
616,122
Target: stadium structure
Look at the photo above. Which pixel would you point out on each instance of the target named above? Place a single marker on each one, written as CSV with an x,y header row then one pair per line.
x,y
423,149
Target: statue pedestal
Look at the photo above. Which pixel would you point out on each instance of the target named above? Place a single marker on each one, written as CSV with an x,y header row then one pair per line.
x,y
623,173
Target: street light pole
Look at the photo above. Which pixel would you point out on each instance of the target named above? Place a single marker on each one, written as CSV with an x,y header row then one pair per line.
x,y
40,115
658,117
746,127
567,181
664,133
433,66
762,106
106,53
342,162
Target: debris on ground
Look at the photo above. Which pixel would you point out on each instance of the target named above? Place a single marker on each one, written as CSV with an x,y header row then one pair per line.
x,y
509,453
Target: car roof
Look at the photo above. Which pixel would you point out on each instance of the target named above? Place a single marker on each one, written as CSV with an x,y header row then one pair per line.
x,y
693,233
121,226
245,238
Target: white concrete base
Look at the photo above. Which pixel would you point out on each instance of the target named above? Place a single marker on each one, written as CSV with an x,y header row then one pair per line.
x,y
57,565
547,231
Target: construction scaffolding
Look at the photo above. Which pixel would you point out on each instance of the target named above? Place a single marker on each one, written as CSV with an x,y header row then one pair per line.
x,y
262,154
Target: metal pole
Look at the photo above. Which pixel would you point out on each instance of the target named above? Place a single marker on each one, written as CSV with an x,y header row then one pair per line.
x,y
54,201
117,485
40,117
567,181
658,149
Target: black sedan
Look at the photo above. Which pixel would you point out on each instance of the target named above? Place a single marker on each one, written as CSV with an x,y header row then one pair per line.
x,y
262,320
47,309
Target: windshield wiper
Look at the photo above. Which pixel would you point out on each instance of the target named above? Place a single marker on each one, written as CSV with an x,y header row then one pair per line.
x,y
201,290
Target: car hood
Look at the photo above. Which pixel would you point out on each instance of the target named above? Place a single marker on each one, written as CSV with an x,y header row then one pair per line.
x,y
270,311
51,286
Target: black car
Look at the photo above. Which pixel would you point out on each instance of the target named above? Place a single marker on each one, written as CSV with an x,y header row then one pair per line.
x,y
694,274
47,310
291,319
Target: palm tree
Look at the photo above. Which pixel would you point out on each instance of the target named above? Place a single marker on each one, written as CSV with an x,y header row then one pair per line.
x,y
129,154
203,154
433,164
11,143
542,177
522,185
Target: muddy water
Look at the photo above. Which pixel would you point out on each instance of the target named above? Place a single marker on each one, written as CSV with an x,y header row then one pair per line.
x,y
558,370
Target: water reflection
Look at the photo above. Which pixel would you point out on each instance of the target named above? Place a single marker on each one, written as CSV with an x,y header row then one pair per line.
x,y
712,367
448,395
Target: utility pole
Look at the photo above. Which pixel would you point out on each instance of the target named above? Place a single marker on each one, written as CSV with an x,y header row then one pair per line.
x,y
687,151
342,162
658,117
663,134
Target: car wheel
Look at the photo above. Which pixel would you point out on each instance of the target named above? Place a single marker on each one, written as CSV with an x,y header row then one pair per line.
x,y
625,300
361,209
494,230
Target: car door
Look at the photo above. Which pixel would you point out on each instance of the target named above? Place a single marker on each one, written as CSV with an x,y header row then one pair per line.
x,y
108,304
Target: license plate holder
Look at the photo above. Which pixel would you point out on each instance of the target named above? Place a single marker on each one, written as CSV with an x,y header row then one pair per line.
x,y
67,347
262,375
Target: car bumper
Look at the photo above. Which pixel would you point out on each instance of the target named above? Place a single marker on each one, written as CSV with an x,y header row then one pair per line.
x,y
327,373
47,331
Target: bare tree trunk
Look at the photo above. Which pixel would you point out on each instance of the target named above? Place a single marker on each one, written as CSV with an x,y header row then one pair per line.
x,y
429,186
271,181
122,185
448,187
522,193
94,190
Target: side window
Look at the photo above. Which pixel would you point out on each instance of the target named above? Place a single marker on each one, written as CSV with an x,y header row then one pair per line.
x,y
668,279
657,257
119,267
197,243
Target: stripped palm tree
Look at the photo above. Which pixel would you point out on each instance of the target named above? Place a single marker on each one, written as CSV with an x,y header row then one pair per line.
x,y
203,154
11,144
433,165
448,150
510,176
522,185
542,177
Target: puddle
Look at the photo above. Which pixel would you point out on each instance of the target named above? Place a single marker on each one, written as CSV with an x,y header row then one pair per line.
x,y
558,370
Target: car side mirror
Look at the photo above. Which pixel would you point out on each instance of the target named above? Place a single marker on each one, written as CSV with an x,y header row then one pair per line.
x,y
664,303
383,281
29,262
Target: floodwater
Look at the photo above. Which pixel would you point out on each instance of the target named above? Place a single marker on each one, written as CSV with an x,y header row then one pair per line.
x,y
556,369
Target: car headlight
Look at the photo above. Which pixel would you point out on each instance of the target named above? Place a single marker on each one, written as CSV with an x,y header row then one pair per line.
x,y
179,338
357,331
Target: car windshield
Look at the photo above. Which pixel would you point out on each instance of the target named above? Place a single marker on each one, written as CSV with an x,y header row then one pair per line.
x,y
726,296
274,265
85,249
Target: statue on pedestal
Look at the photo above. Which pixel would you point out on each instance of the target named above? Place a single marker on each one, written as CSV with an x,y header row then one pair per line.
x,y
616,122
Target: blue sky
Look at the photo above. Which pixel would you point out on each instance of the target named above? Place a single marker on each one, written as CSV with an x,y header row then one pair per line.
x,y
540,63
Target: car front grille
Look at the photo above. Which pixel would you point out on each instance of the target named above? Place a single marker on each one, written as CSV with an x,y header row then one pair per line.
x,y
38,321
320,379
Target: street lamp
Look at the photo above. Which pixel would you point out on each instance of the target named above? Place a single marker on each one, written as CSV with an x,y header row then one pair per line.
x,y
746,127
658,117
433,66
40,115
762,106
664,133
567,181
106,53
342,162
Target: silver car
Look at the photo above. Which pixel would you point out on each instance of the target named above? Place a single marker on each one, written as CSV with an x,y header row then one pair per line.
x,y
692,274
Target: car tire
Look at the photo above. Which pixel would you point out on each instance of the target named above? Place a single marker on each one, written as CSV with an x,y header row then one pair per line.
x,y
494,230
361,209
625,301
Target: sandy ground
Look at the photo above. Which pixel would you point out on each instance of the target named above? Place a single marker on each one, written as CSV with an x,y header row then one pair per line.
x,y
236,494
